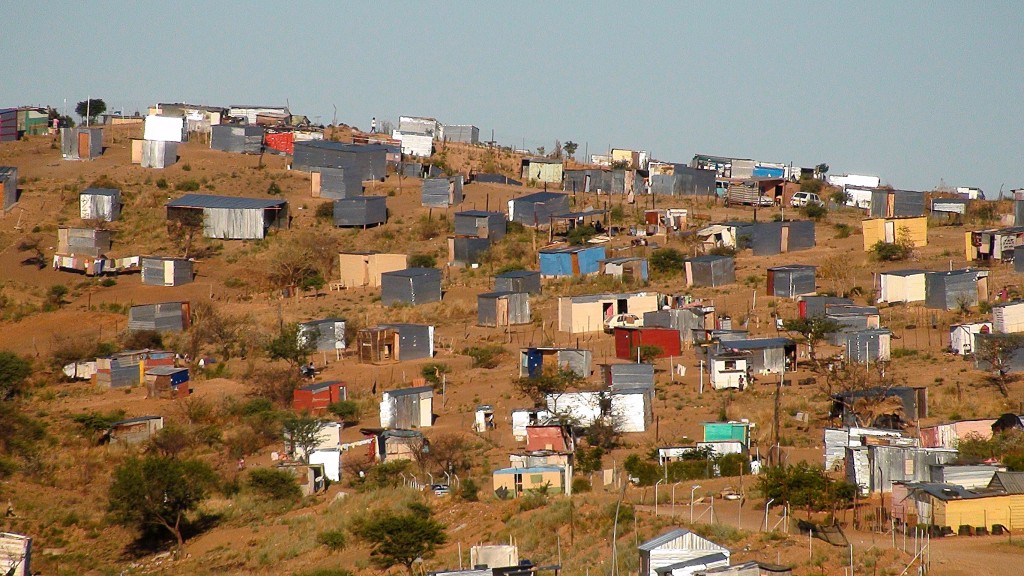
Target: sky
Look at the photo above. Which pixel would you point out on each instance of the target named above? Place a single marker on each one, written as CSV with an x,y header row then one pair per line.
x,y
918,93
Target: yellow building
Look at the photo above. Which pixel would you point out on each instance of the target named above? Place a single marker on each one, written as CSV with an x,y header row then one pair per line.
x,y
512,482
891,230
365,268
542,170
950,506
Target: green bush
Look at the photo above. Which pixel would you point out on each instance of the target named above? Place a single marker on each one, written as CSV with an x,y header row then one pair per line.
x,y
346,410
814,211
667,261
589,459
469,491
890,252
434,371
843,230
579,235
187,186
274,484
325,211
108,282
733,464
422,261
580,485
274,189
485,356
161,183
333,540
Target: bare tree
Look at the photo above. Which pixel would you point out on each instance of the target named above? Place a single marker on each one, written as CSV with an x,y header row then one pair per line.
x,y
998,353
865,389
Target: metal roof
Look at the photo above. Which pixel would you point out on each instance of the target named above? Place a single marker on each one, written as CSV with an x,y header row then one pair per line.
x,y
495,295
320,385
100,192
709,258
792,267
757,343
135,420
342,146
516,274
224,202
607,296
165,370
409,391
413,272
568,249
622,260
698,561
662,540
479,214
1011,482
583,214
907,272
540,197
532,470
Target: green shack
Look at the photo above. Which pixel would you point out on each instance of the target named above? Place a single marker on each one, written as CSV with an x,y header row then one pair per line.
x,y
33,121
727,432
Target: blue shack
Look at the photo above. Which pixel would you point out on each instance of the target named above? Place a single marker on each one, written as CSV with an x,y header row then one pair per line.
x,y
571,261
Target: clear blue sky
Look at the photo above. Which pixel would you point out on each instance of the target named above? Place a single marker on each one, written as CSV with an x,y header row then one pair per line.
x,y
913,92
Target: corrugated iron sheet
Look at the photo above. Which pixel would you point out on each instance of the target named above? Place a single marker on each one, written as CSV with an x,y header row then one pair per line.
x,y
361,211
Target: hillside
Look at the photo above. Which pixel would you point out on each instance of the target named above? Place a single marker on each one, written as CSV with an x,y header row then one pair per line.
x,y
59,492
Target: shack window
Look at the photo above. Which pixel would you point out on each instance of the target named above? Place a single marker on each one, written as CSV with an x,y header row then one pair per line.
x,y
536,479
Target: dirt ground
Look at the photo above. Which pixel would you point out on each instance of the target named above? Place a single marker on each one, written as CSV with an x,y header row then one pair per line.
x,y
49,199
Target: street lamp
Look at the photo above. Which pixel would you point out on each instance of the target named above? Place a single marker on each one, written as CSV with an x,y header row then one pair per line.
x,y
692,490
766,505
674,498
656,484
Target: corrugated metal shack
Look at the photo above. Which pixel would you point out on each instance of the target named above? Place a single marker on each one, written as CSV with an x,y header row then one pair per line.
x,y
811,306
465,133
850,317
588,180
949,290
680,551
466,250
627,268
791,280
81,143
710,270
570,260
533,361
480,224
913,230
952,210
441,192
323,335
866,346
629,340
689,321
335,183
771,238
767,355
1008,317
237,138
536,209
875,468
369,161
158,154
683,180
412,286
359,269
231,217
102,204
128,368
962,336
503,308
632,403
317,397
588,313
83,241
1018,258
887,203
133,430
8,187
166,271
167,382
518,281
395,342
8,124
407,408
969,476
993,244
163,317
361,211
628,375
487,178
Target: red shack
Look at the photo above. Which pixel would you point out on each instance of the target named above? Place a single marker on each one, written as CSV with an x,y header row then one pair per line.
x,y
627,340
315,398
280,141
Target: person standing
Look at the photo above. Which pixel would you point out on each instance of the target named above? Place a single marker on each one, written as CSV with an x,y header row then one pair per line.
x,y
373,125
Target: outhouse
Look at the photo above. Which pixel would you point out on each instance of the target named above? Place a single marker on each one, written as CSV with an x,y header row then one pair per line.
x,y
626,268
902,286
335,183
534,361
395,343
167,382
710,271
323,335
158,154
407,408
480,224
81,143
103,204
956,288
442,192
503,309
237,138
518,281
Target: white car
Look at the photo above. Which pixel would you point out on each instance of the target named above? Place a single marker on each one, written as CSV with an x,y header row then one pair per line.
x,y
623,321
804,198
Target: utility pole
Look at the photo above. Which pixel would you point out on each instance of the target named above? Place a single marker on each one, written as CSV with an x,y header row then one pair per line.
x,y
775,420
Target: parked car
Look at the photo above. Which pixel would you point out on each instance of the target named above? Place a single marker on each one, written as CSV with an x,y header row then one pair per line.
x,y
804,198
623,321
765,201
440,489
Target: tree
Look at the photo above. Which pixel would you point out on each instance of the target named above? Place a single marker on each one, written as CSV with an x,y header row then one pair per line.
x,y
306,255
813,330
182,228
804,485
14,372
541,150
400,538
274,484
549,381
157,491
55,295
821,169
570,148
290,346
556,150
667,261
91,108
865,391
303,433
997,353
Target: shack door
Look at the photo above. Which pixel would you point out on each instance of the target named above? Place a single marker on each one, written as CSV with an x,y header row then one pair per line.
x,y
168,273
501,311
586,183
314,182
83,145
534,362
575,257
890,232
784,245
771,282
622,305
689,273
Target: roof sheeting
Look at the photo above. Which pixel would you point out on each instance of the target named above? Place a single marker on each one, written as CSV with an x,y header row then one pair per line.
x,y
224,202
